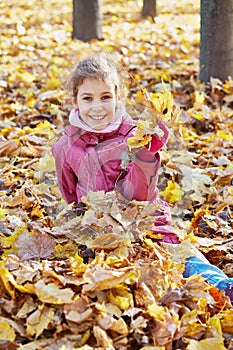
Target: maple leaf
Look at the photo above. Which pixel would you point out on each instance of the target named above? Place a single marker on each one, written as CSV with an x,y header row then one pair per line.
x,y
100,278
39,320
28,306
6,331
173,192
139,139
40,245
9,328
226,319
102,338
8,147
156,109
206,344
109,241
78,317
121,297
51,293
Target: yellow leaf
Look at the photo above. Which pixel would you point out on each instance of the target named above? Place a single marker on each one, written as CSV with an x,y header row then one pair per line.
x,y
103,339
190,135
99,278
120,297
198,116
157,312
2,213
207,344
27,77
31,102
8,241
216,326
6,332
163,102
224,135
7,279
77,265
10,283
52,83
139,139
39,320
47,163
173,193
226,319
143,124
199,99
64,251
120,326
20,29
51,293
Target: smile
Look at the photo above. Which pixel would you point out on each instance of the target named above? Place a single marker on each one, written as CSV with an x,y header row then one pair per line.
x,y
97,117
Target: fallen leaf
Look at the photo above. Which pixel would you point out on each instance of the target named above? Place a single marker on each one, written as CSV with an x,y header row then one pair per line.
x,y
39,320
40,245
206,344
51,293
6,331
8,147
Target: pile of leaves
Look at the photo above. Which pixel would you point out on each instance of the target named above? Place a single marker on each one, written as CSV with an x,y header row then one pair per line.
x,y
102,280
106,282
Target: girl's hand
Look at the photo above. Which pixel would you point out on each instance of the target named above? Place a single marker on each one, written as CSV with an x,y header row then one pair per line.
x,y
145,155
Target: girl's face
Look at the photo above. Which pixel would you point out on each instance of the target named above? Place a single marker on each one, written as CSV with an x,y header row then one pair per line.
x,y
96,101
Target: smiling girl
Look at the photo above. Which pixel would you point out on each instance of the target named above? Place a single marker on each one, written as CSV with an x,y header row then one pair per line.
x,y
88,155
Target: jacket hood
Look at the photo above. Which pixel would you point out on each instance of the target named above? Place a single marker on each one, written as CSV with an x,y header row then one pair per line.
x,y
75,120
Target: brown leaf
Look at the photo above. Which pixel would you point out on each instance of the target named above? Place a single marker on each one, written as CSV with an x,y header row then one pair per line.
x,y
40,245
102,338
21,199
109,241
51,293
8,147
100,278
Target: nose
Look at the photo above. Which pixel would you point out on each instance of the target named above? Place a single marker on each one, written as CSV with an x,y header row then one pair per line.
x,y
97,105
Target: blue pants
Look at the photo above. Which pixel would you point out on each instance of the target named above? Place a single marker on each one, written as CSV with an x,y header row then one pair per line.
x,y
199,265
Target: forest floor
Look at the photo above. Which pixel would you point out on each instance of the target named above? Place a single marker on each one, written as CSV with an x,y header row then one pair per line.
x,y
67,282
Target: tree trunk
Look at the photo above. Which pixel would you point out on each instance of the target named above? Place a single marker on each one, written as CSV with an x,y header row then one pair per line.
x,y
87,21
149,8
216,43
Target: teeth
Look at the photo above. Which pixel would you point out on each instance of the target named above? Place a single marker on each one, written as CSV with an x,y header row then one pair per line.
x,y
97,117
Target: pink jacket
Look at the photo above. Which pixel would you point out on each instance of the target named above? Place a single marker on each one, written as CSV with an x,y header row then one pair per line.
x,y
91,161
88,161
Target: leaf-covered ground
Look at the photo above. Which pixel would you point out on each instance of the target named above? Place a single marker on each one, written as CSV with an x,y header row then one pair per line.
x,y
101,281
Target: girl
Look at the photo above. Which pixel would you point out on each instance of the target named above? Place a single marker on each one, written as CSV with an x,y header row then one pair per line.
x,y
88,155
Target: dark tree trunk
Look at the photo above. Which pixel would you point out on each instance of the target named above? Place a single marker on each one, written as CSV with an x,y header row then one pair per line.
x,y
149,8
216,43
87,21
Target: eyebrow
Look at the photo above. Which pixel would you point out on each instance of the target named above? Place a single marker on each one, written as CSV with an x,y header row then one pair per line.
x,y
86,93
102,93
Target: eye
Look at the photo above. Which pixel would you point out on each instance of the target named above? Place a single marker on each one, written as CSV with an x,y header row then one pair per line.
x,y
106,97
87,98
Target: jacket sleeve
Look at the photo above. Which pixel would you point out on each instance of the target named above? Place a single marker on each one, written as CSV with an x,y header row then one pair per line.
x,y
65,176
158,142
140,181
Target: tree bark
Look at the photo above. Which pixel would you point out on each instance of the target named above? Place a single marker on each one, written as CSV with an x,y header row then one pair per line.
x,y
87,20
149,8
216,43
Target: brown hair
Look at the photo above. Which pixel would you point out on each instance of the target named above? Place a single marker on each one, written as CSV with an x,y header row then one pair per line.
x,y
98,67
